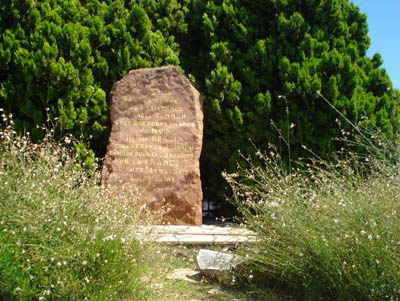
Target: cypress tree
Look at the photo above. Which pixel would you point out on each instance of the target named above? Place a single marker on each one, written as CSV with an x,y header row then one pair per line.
x,y
65,55
253,60
262,60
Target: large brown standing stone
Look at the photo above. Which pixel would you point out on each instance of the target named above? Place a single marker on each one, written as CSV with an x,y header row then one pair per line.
x,y
156,140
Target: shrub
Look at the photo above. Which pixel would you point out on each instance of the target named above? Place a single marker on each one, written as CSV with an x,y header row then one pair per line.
x,y
256,61
66,55
326,229
61,234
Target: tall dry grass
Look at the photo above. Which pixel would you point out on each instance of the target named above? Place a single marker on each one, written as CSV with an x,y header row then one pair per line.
x,y
327,229
62,237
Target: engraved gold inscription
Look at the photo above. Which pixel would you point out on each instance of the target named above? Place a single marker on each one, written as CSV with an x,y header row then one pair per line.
x,y
153,158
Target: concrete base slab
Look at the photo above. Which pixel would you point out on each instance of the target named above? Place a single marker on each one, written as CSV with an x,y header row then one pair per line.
x,y
199,235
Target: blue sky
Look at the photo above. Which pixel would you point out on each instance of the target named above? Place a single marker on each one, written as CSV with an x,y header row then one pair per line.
x,y
384,31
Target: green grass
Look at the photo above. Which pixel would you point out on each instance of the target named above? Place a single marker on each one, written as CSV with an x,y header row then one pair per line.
x,y
61,234
328,230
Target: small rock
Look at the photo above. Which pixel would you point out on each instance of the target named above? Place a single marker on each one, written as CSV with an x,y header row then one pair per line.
x,y
209,261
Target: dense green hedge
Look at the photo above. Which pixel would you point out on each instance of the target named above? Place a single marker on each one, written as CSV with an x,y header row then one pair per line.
x,y
254,61
65,56
257,61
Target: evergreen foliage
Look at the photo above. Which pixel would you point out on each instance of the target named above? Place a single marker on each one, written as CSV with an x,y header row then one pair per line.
x,y
253,60
257,61
65,56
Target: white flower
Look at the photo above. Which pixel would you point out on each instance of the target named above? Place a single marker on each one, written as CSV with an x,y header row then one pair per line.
x,y
84,262
370,237
17,289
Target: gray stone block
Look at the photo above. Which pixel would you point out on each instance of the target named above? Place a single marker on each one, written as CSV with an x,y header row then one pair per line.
x,y
209,261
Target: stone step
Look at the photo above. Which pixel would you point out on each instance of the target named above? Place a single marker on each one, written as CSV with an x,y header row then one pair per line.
x,y
199,235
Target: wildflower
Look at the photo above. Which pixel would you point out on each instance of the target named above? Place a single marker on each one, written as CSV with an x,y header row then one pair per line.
x,y
84,262
370,237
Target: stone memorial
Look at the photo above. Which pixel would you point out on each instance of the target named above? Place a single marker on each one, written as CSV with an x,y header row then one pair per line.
x,y
156,140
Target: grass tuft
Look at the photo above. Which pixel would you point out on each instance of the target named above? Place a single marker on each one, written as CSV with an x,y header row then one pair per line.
x,y
327,230
61,234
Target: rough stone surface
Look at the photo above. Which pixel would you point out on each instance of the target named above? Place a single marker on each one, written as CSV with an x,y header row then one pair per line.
x,y
209,261
156,140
